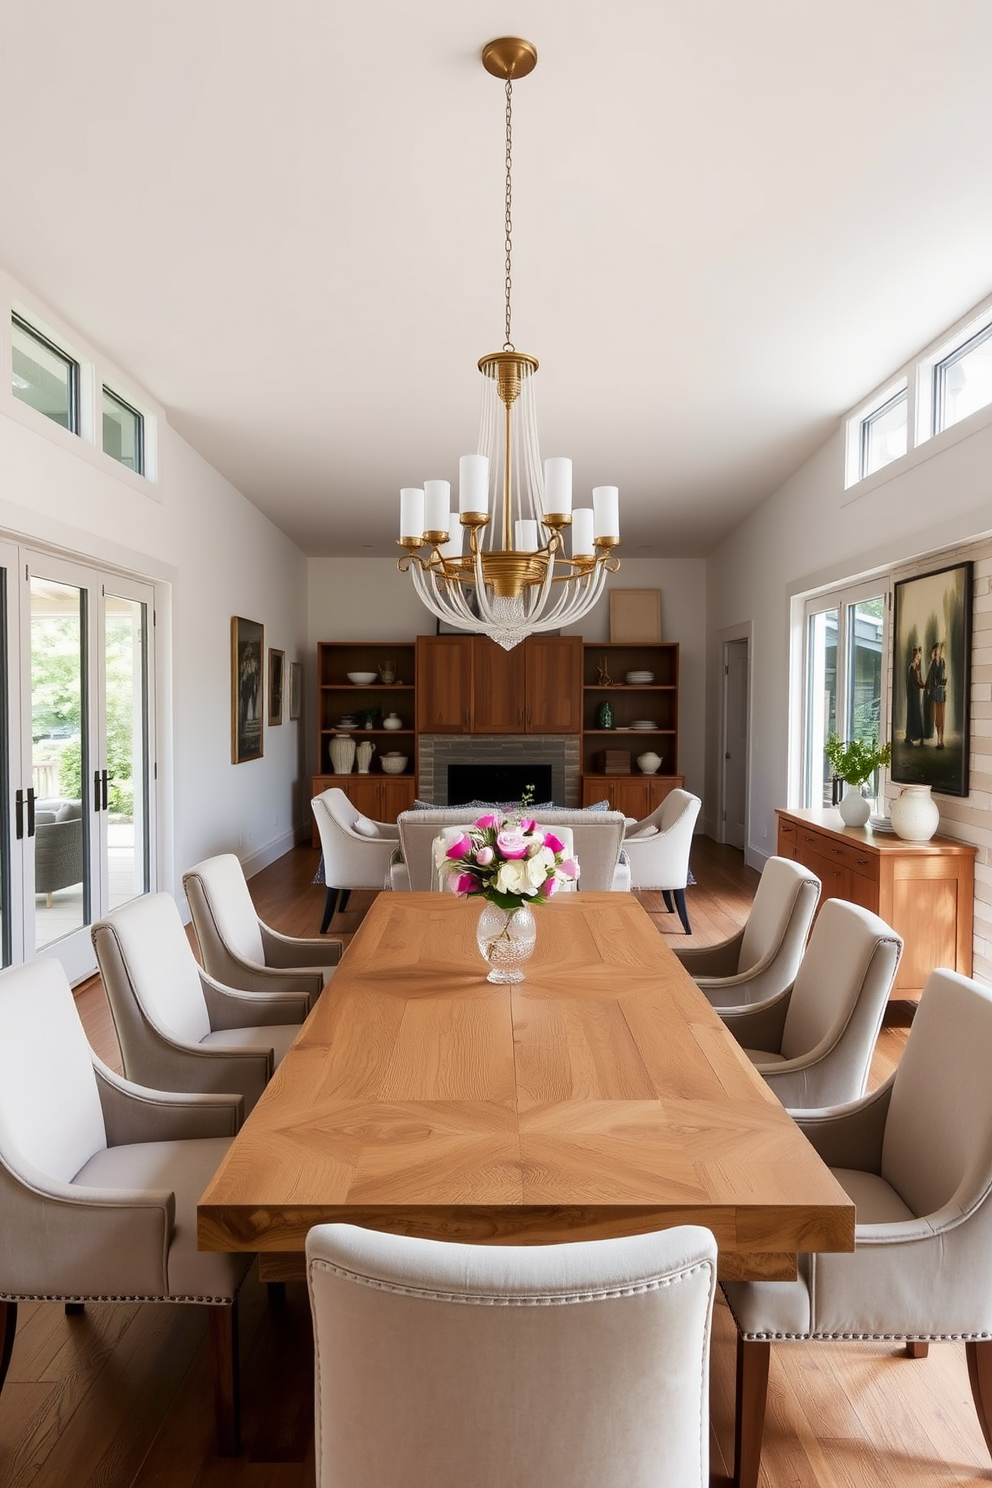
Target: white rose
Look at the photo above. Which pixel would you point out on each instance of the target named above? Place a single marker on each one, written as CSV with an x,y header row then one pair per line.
x,y
513,877
537,870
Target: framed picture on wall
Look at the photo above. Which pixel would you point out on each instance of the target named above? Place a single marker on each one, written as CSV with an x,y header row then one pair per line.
x,y
931,682
295,689
247,689
277,668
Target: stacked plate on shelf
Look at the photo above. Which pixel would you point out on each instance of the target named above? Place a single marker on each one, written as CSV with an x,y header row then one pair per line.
x,y
638,679
644,723
347,721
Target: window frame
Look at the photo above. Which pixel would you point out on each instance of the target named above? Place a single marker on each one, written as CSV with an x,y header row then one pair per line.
x,y
901,395
939,371
106,391
73,425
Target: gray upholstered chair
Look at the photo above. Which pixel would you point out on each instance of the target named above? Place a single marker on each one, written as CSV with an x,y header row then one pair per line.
x,y
658,850
762,959
58,847
240,950
916,1157
582,1365
813,1044
178,1029
99,1180
356,850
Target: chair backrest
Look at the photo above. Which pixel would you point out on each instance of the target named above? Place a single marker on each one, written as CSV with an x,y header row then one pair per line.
x,y
50,1111
548,1366
778,924
938,1131
224,916
839,996
150,974
660,860
597,837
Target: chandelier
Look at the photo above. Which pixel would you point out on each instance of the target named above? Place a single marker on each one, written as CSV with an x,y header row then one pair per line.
x,y
515,579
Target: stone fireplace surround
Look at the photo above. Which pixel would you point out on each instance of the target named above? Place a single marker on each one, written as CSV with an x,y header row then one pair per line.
x,y
560,751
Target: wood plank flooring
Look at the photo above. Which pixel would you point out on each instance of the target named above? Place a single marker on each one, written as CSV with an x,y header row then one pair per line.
x,y
119,1397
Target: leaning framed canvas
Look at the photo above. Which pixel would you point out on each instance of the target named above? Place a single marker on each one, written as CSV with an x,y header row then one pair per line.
x,y
247,689
277,667
635,615
931,665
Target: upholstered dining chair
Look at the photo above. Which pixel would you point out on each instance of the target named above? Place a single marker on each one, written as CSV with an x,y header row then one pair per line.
x,y
813,1044
916,1157
762,959
658,850
583,1365
356,850
178,1028
99,1180
239,949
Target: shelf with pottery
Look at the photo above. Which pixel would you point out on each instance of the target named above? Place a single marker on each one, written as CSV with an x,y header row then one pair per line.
x,y
924,890
630,704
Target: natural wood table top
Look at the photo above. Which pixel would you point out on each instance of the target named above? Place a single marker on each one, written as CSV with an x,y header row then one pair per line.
x,y
600,1096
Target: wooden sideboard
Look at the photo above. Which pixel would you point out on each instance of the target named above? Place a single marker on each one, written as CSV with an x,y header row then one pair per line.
x,y
924,890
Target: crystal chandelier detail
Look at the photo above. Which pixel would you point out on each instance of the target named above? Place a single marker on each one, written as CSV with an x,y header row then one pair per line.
x,y
515,579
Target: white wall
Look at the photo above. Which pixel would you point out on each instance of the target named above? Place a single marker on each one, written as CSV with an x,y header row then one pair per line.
x,y
367,599
213,555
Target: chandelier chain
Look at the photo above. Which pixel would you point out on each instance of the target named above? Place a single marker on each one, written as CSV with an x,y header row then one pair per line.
x,y
508,215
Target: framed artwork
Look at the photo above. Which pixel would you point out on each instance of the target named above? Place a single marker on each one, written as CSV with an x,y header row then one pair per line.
x,y
277,669
931,665
295,689
635,615
247,689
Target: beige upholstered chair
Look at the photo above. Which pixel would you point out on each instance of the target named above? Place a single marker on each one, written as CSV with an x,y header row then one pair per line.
x,y
597,839
547,1366
239,949
916,1157
813,1044
658,850
762,959
178,1029
99,1180
355,856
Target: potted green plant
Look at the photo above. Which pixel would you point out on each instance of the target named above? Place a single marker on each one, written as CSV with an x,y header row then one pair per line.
x,y
855,761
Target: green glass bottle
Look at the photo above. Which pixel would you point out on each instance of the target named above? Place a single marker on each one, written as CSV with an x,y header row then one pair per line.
x,y
604,717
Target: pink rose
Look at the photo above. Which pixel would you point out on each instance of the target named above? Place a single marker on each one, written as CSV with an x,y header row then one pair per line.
x,y
555,843
512,843
459,848
462,884
569,868
484,856
494,819
527,824
549,887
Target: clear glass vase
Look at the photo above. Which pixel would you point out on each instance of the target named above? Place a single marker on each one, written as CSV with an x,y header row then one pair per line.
x,y
506,939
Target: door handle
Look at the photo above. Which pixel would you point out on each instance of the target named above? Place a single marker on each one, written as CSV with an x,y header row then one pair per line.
x,y
30,811
96,790
19,815
105,788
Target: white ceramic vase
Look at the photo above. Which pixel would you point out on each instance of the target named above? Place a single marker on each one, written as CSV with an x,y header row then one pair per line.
x,y
342,754
855,809
649,763
914,814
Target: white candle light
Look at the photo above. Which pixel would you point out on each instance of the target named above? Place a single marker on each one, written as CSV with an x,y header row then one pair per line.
x,y
557,486
455,545
525,536
582,533
411,512
473,484
437,504
606,505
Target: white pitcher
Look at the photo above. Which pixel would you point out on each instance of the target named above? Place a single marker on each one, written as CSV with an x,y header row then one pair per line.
x,y
364,754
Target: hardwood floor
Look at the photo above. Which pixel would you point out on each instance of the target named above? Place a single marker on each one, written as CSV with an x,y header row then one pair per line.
x,y
120,1396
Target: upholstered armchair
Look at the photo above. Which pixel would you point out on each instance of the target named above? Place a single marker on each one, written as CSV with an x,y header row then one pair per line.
x,y
813,1044
582,1365
762,959
99,1180
240,950
356,850
178,1029
658,850
58,847
916,1157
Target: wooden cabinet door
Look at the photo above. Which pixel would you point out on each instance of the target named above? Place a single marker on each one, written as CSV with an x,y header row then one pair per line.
x,y
499,688
444,684
396,793
554,684
626,793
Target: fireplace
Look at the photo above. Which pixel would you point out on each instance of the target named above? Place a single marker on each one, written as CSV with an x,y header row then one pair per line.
x,y
529,756
497,781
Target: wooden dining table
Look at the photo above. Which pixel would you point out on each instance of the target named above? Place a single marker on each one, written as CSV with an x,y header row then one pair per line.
x,y
600,1096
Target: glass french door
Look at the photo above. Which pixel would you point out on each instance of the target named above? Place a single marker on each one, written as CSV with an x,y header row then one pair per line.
x,y
77,732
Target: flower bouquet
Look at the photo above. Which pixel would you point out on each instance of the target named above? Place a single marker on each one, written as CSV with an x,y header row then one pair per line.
x,y
511,863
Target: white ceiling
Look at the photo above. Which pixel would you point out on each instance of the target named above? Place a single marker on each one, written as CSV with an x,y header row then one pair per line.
x,y
733,218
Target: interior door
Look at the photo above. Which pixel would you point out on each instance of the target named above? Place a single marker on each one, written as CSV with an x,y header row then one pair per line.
x,y
735,676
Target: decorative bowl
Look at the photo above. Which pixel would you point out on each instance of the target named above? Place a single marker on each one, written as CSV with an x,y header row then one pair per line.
x,y
394,764
362,679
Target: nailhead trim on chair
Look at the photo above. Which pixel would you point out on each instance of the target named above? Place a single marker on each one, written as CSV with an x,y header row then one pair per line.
x,y
547,1299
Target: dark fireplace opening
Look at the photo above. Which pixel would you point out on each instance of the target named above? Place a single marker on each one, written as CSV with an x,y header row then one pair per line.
x,y
494,782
